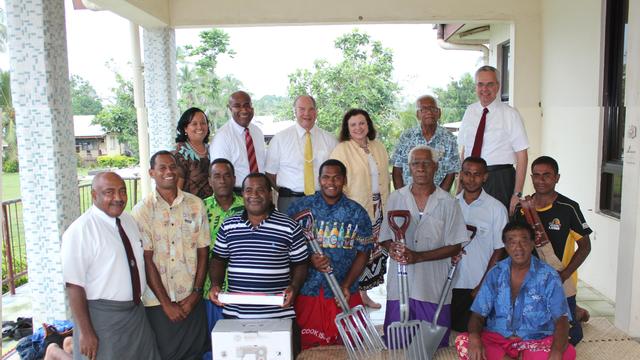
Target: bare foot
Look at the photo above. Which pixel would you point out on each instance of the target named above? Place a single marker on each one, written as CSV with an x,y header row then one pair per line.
x,y
582,314
366,300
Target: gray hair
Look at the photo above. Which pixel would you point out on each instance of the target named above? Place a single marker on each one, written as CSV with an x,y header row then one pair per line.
x,y
435,154
488,68
304,95
425,97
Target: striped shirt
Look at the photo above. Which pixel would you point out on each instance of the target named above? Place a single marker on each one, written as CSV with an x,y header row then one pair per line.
x,y
259,260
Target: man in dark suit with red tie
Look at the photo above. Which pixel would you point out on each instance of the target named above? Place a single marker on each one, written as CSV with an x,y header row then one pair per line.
x,y
494,131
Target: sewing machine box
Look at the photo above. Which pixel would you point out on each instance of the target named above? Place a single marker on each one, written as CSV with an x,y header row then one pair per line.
x,y
259,339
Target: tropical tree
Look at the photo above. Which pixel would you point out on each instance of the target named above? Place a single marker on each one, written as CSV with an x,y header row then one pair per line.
x,y
454,98
8,115
84,99
363,79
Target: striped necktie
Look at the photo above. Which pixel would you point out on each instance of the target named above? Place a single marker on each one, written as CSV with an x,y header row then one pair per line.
x,y
251,151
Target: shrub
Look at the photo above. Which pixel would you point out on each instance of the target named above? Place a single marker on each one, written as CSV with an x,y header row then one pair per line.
x,y
117,161
10,166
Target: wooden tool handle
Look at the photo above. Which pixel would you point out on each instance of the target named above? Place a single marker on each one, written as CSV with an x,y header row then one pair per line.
x,y
394,216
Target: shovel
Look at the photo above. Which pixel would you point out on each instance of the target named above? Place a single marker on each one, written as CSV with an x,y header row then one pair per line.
x,y
406,334
356,329
435,332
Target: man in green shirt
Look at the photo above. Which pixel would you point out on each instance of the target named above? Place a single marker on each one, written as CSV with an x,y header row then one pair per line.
x,y
220,206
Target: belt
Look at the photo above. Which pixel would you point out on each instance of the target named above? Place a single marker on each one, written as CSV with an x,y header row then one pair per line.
x,y
286,192
499,167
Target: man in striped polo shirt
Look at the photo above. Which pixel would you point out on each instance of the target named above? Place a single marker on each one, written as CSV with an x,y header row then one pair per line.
x,y
263,251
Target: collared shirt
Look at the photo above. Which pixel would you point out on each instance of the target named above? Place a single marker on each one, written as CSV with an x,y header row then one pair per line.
x,y
340,229
489,217
217,215
285,156
537,307
259,260
94,257
565,226
441,224
442,140
229,143
504,132
173,232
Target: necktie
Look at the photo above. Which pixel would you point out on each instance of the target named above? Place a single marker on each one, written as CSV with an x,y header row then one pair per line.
x,y
251,151
133,268
309,186
477,144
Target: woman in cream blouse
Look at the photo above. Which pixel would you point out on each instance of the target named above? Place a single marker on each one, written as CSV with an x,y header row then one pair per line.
x,y
367,165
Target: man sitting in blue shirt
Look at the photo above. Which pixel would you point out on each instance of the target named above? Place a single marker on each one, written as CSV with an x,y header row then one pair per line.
x,y
342,226
523,304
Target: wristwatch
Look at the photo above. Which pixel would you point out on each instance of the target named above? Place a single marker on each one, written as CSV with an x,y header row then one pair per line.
x,y
518,194
198,290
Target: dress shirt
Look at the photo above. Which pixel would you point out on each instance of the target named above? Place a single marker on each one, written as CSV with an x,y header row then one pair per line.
x,y
94,257
504,133
538,305
173,232
441,224
285,156
489,216
229,143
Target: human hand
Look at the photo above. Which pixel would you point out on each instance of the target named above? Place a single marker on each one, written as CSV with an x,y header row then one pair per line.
x,y
555,354
512,205
346,294
289,296
475,348
89,344
213,295
563,275
187,304
174,312
321,263
402,254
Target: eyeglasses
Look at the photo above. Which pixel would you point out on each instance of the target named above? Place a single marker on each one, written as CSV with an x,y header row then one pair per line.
x,y
431,109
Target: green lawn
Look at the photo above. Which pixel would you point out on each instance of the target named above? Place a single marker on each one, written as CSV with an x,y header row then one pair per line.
x,y
10,186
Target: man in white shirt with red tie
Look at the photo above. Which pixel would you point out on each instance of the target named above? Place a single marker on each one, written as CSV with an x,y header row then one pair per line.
x,y
240,141
495,132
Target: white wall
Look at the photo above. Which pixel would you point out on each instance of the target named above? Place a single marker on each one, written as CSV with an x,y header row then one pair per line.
x,y
571,123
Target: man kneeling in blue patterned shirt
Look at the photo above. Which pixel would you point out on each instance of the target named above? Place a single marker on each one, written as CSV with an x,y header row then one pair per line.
x,y
520,310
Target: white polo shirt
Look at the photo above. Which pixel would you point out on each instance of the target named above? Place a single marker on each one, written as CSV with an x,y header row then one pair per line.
x,y
504,132
285,156
489,216
229,143
94,257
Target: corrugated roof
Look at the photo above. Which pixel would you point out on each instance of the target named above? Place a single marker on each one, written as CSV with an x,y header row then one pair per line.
x,y
82,127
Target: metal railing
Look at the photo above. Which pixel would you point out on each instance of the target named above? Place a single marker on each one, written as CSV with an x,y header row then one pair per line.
x,y
14,254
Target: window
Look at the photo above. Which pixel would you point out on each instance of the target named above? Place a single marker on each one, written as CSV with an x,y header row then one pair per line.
x,y
505,54
615,50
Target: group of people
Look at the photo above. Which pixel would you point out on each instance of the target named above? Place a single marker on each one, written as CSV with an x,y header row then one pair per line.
x,y
149,283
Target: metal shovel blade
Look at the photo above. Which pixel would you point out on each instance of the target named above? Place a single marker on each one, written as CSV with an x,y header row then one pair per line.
x,y
433,337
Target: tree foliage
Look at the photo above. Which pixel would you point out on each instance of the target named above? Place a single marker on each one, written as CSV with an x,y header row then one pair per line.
x,y
119,118
8,115
198,83
84,99
362,79
455,97
271,105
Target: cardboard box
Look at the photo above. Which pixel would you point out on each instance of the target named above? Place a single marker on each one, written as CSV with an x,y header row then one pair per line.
x,y
259,339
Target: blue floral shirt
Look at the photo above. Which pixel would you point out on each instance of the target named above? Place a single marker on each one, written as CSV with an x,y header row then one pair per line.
x,y
443,141
539,304
341,229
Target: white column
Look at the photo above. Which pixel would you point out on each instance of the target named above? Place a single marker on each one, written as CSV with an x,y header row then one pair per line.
x,y
141,110
160,87
628,280
44,126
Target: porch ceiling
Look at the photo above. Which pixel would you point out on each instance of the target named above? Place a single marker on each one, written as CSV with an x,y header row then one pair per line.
x,y
204,13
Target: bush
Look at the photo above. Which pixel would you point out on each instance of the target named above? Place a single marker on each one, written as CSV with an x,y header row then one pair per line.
x,y
10,166
117,161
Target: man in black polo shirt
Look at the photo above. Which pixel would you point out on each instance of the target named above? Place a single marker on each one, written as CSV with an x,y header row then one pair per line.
x,y
565,226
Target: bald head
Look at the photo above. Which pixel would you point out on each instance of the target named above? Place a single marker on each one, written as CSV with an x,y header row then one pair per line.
x,y
241,108
109,193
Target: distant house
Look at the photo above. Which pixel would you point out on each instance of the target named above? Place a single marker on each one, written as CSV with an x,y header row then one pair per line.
x,y
269,126
93,141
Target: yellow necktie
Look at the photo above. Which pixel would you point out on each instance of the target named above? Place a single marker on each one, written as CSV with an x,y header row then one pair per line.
x,y
309,186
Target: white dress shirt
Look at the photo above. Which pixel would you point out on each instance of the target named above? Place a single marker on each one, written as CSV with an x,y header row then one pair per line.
x,y
229,143
504,132
489,216
94,257
285,156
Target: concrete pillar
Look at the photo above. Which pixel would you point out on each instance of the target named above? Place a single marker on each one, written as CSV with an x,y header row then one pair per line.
x,y
628,279
44,126
160,87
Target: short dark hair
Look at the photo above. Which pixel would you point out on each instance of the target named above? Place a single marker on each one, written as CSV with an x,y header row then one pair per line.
x,y
344,130
152,161
333,162
476,160
547,160
518,225
258,175
185,119
223,161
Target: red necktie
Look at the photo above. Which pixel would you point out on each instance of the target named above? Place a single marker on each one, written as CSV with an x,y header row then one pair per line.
x,y
251,151
477,144
133,268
